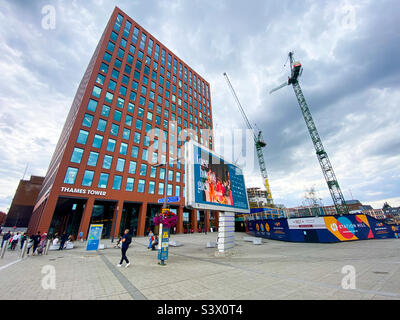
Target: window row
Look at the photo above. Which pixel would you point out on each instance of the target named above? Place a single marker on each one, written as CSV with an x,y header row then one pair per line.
x,y
104,180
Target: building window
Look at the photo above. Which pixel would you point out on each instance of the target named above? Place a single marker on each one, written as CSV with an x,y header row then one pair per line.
x,y
177,191
117,183
153,172
132,167
123,148
82,137
141,186
143,169
87,178
114,129
135,152
92,105
162,173
145,154
169,193
170,175
129,184
103,180
126,133
117,115
70,175
120,165
77,155
160,188
152,187
97,141
105,111
111,145
107,162
136,138
92,160
101,126
96,92
87,120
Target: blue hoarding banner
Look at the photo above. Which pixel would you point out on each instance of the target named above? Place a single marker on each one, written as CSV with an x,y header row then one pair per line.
x,y
94,237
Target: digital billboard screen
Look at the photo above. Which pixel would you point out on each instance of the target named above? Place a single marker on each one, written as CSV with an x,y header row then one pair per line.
x,y
213,183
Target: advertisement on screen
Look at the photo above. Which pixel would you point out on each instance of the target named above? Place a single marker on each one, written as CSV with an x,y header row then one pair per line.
x,y
212,182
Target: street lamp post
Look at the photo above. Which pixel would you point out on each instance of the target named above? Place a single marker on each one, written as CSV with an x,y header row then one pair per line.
x,y
166,164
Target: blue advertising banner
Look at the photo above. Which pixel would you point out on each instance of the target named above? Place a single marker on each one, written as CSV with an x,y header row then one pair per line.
x,y
322,229
217,182
94,237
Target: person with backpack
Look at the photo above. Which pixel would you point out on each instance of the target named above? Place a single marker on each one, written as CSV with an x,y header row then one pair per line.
x,y
6,237
36,241
23,239
126,241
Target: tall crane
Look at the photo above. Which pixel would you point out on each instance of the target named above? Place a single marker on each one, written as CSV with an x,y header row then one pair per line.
x,y
327,169
258,141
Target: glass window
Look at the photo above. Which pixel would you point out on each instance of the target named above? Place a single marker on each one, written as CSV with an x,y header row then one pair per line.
x,y
141,186
123,148
100,79
70,175
132,167
107,162
117,63
109,97
92,105
161,188
143,169
107,57
104,67
153,172
82,137
101,126
117,183
77,155
117,115
120,165
129,184
128,120
103,180
152,187
98,139
139,124
145,154
169,192
105,111
96,92
114,36
87,120
170,175
114,129
135,152
162,173
178,177
177,191
87,178
120,102
92,160
126,133
110,46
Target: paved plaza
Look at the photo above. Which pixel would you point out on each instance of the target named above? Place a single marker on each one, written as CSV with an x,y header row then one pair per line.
x,y
272,270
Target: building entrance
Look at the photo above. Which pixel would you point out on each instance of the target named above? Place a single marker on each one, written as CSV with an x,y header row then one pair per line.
x,y
102,213
129,218
67,216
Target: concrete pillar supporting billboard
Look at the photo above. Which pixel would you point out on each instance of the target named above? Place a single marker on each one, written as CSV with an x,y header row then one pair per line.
x,y
226,230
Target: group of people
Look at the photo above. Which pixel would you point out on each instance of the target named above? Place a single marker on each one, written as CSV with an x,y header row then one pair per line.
x,y
216,190
35,242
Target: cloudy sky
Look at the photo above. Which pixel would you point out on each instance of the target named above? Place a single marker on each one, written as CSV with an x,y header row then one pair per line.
x,y
351,79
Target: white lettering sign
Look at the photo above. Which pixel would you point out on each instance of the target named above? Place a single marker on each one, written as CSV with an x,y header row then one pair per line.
x,y
83,191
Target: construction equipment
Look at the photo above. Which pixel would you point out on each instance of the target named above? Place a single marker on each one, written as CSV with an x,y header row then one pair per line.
x,y
259,143
327,169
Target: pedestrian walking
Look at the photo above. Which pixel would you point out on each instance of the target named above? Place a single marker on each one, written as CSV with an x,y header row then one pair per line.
x,y
6,237
36,241
151,238
126,241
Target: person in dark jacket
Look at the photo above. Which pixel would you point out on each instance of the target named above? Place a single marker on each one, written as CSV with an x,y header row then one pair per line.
x,y
63,239
6,237
36,241
126,241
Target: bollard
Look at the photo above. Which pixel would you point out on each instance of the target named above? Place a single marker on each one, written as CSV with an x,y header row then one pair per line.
x,y
23,251
3,250
46,251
